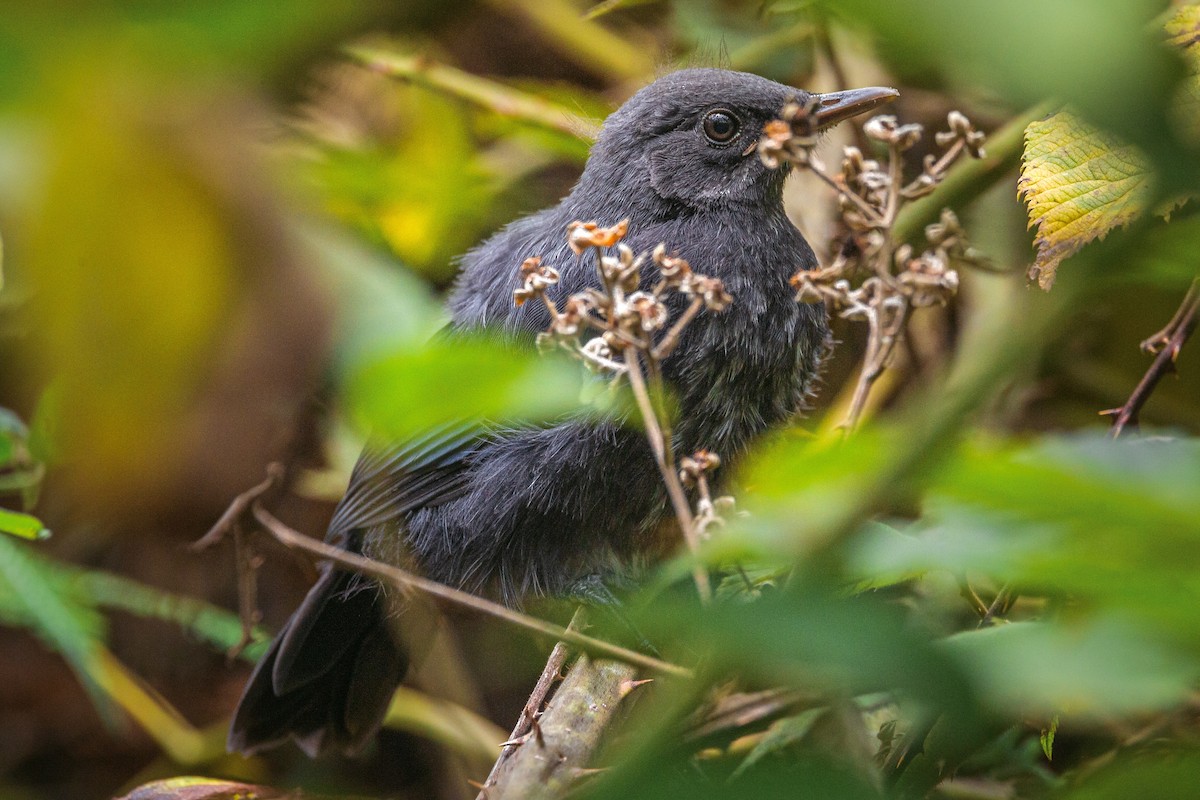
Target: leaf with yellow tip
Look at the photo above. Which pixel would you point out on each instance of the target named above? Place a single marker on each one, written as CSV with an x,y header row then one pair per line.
x,y
1079,183
1183,31
23,526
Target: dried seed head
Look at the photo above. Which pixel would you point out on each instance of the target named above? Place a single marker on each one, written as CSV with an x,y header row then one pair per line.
x,y
791,137
700,462
582,235
962,129
673,269
570,320
773,146
597,347
928,280
643,311
711,290
537,278
886,129
946,233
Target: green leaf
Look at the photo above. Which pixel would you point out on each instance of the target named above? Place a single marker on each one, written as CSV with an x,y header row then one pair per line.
x,y
403,392
1079,183
1090,671
809,637
1115,525
205,621
1046,738
1167,774
782,734
29,593
23,526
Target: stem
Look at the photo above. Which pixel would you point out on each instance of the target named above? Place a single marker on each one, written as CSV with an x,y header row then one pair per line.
x,y
489,95
881,343
868,211
895,173
660,447
406,580
667,344
1171,339
1155,344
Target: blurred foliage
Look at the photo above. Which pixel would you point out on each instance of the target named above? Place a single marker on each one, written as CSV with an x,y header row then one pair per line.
x,y
214,212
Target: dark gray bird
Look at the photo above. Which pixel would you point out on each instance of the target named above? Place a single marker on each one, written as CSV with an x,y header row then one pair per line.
x,y
560,510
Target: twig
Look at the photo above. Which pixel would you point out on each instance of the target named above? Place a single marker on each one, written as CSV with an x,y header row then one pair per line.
x,y
881,343
1155,344
247,563
407,580
238,508
973,599
1170,340
1000,604
551,674
671,338
679,501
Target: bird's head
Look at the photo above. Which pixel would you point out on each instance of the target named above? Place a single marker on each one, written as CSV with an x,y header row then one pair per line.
x,y
691,137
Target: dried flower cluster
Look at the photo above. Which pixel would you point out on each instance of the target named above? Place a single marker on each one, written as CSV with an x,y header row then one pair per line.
x,y
622,315
632,335
873,277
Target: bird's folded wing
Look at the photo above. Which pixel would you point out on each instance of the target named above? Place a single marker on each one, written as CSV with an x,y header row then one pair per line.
x,y
394,479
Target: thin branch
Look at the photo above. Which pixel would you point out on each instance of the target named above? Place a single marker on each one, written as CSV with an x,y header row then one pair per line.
x,y
551,674
238,508
406,580
679,502
881,344
973,599
1171,340
246,561
1155,344
1000,605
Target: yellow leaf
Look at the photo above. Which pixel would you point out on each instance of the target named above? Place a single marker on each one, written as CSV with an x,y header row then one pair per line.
x,y
1079,183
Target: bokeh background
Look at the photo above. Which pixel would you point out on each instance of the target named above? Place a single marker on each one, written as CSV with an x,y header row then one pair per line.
x,y
227,227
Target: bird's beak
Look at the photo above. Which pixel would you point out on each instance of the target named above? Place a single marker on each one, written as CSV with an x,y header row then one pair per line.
x,y
834,107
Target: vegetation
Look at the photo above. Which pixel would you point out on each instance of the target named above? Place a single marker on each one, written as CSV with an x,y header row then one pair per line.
x,y
227,227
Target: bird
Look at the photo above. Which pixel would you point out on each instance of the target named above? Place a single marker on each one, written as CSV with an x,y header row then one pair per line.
x,y
567,509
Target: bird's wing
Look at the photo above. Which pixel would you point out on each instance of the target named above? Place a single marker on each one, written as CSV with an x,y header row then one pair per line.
x,y
392,479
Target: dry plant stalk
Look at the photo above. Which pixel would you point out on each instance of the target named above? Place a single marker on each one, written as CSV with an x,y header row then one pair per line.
x,y
874,277
633,335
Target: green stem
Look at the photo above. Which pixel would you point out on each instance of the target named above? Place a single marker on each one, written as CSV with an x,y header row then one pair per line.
x,y
487,94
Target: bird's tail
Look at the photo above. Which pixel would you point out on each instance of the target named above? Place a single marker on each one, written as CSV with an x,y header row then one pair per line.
x,y
327,678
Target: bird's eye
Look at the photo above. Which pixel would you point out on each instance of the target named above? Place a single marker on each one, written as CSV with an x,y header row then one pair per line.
x,y
720,126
